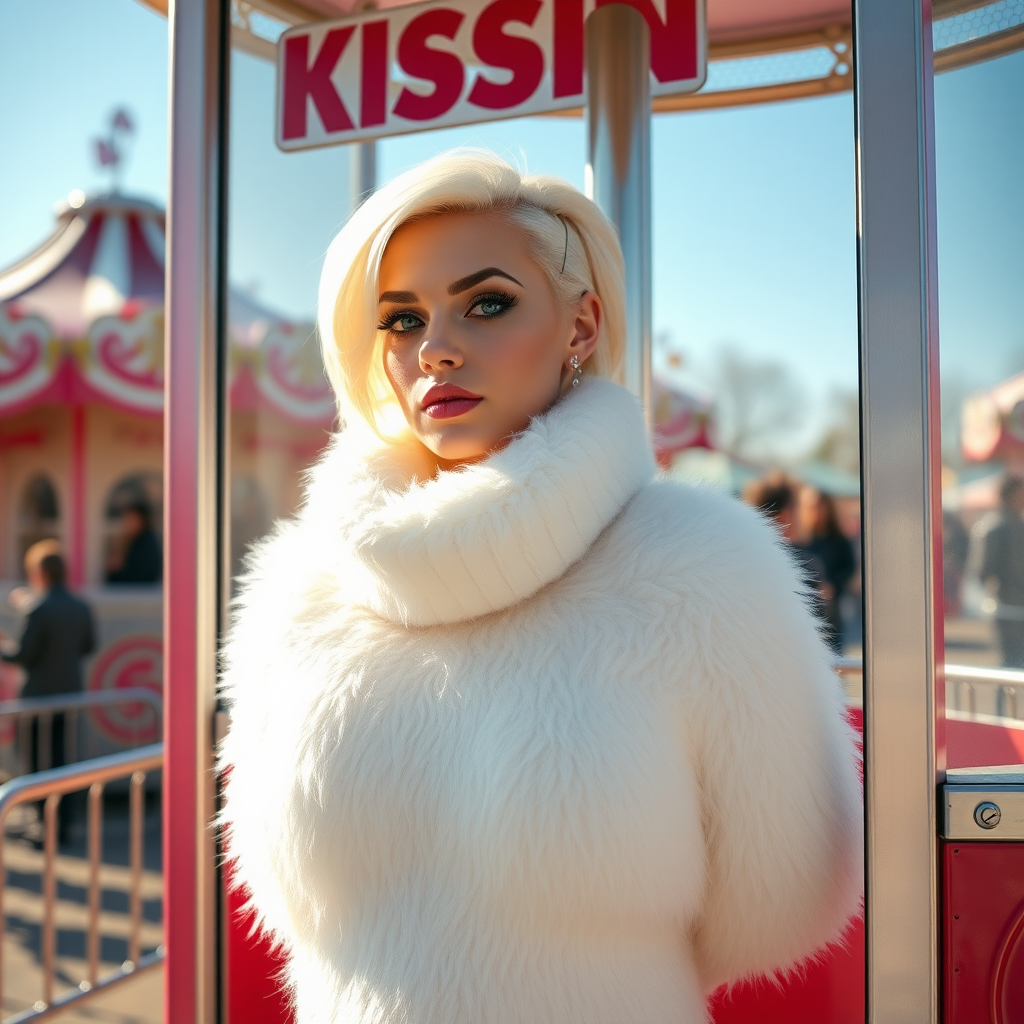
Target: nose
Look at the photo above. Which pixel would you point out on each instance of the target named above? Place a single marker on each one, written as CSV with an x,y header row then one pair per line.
x,y
437,353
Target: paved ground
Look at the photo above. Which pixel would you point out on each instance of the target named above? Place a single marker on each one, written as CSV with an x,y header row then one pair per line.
x,y
138,1000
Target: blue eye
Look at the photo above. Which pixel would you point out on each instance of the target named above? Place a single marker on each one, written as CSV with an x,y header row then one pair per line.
x,y
494,304
400,323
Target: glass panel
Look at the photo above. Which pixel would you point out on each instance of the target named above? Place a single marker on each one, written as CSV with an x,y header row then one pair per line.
x,y
979,136
283,210
83,182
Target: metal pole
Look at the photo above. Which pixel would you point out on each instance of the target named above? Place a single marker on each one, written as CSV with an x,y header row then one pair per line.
x,y
364,171
904,702
194,295
618,116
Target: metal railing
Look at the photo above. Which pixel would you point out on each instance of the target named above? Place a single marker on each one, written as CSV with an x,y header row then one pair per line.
x,y
42,709
49,787
1006,684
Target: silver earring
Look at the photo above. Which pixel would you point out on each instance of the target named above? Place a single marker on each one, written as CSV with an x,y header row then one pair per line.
x,y
575,364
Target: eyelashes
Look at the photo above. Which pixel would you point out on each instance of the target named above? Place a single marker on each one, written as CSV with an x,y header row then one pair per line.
x,y
504,300
389,322
501,303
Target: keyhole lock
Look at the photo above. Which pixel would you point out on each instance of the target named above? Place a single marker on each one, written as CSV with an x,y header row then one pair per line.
x,y
987,815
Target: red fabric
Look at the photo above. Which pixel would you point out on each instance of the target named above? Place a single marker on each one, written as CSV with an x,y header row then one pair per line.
x,y
255,995
826,991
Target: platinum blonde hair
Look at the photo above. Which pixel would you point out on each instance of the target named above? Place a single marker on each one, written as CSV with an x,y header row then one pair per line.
x,y
571,240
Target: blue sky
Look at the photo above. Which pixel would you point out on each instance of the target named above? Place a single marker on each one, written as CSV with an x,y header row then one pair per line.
x,y
754,209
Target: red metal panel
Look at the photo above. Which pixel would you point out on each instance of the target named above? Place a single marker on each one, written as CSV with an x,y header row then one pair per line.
x,y
983,743
983,933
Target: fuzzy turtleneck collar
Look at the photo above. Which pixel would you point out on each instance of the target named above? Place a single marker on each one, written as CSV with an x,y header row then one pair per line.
x,y
475,540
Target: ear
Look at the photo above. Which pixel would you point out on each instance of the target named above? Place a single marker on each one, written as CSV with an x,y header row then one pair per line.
x,y
586,328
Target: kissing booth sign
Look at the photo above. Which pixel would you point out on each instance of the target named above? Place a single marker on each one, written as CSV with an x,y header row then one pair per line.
x,y
434,65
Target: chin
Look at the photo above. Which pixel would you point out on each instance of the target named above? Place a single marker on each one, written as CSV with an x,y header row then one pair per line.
x,y
463,445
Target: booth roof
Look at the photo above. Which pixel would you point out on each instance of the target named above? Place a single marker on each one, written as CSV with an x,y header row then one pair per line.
x,y
728,20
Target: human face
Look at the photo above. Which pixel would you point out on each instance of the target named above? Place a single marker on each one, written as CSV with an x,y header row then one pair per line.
x,y
475,341
812,511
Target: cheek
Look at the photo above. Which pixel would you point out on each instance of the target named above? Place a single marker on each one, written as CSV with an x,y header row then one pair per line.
x,y
528,355
400,370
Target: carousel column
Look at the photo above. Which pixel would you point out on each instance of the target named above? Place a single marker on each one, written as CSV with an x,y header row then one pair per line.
x,y
194,310
618,175
904,692
77,516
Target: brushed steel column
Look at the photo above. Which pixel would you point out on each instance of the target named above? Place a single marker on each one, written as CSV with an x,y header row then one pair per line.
x,y
618,178
363,171
904,700
194,315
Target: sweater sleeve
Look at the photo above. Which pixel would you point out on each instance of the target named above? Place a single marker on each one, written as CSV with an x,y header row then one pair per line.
x,y
260,680
776,764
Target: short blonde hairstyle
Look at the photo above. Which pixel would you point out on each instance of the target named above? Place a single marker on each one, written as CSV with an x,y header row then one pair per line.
x,y
570,238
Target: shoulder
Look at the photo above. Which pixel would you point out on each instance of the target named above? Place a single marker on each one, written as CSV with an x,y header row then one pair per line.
x,y
691,554
63,602
991,525
689,529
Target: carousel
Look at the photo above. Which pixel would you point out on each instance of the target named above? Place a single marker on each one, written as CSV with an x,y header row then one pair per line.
x,y
81,423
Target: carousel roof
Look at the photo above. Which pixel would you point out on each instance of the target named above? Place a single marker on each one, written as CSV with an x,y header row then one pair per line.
x,y
81,320
104,252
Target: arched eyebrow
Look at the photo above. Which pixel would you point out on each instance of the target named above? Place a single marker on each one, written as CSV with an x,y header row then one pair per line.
x,y
465,283
397,297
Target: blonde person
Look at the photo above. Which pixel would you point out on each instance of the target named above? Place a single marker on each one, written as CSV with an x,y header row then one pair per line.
x,y
520,732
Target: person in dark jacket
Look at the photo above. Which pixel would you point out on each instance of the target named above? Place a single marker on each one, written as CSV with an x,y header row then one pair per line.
x,y
824,538
999,558
59,632
141,559
777,495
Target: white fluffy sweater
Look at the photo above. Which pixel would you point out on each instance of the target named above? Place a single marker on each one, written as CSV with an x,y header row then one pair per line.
x,y
543,740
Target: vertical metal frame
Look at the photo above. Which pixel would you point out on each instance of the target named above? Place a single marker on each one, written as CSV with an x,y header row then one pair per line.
x,y
904,703
618,170
192,452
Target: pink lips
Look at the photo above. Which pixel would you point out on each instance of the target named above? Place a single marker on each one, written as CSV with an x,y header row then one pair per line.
x,y
445,401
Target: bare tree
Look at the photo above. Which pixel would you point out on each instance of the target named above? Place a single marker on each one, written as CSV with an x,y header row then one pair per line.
x,y
759,407
839,444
